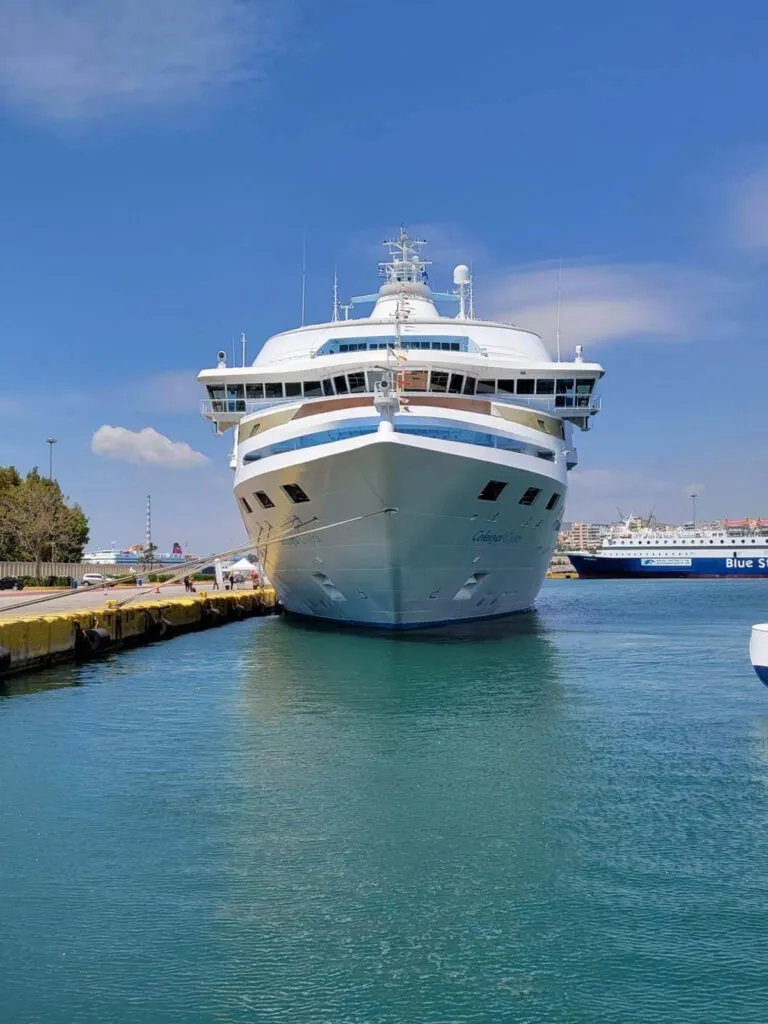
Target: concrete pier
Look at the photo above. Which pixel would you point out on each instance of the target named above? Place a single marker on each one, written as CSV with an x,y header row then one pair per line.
x,y
40,636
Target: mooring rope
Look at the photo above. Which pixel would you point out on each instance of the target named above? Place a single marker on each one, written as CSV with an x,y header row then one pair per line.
x,y
185,569
179,572
279,540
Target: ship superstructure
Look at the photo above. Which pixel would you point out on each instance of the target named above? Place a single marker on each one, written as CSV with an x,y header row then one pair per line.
x,y
407,467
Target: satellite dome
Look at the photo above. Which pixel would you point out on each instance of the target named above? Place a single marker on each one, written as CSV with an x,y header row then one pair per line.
x,y
461,274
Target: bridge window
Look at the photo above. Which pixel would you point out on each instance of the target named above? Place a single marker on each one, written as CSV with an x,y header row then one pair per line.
x,y
525,387
507,386
469,385
292,388
254,391
438,381
312,388
454,386
564,393
340,383
492,490
327,387
486,387
216,391
356,382
552,503
415,380
545,387
274,390
246,506
235,391
263,499
295,493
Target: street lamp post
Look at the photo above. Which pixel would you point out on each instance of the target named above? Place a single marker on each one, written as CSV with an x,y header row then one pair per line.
x,y
694,496
51,443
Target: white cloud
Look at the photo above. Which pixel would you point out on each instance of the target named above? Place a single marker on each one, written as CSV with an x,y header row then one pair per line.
x,y
604,303
145,445
68,59
749,215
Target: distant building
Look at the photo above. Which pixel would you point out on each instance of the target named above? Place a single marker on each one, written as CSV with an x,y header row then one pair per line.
x,y
582,536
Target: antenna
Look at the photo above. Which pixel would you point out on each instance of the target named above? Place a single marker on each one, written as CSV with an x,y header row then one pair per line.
x,y
303,277
335,316
471,291
559,304
462,279
243,341
346,307
149,524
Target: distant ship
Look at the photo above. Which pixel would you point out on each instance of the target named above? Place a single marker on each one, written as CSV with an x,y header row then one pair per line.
x,y
737,547
134,556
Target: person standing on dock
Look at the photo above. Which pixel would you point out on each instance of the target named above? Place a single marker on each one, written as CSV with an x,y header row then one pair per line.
x,y
187,584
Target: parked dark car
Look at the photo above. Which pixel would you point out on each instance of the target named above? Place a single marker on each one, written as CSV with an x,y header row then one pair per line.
x,y
11,583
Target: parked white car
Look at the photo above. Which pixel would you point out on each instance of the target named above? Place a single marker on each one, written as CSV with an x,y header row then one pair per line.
x,y
96,579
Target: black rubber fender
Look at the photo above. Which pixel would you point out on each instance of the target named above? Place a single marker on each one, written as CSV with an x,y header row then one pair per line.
x,y
97,639
238,611
5,660
163,628
213,616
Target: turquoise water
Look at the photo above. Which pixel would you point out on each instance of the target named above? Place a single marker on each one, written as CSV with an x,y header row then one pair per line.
x,y
558,818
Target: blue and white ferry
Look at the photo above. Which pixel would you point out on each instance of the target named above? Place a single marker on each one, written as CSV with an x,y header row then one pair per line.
x,y
734,548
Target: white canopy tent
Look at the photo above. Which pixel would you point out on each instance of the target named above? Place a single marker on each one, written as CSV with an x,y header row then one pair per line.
x,y
242,565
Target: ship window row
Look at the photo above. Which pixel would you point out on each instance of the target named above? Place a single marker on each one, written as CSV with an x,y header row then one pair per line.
x,y
491,492
687,542
567,392
438,346
435,343
440,433
297,495
494,489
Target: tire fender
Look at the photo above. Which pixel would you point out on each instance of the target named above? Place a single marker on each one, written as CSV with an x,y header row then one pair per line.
x,y
163,628
97,638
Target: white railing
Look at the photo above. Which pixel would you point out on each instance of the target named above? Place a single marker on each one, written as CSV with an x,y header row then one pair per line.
x,y
76,570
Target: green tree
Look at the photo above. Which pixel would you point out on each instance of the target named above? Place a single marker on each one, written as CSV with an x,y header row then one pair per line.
x,y
36,523
149,554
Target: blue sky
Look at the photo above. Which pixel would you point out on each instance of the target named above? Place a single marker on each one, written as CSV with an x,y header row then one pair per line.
x,y
162,159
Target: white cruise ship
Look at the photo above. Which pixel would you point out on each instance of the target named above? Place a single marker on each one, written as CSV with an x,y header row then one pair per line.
x,y
405,468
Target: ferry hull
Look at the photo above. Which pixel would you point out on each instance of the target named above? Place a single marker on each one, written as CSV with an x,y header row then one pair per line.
x,y
758,651
600,567
440,556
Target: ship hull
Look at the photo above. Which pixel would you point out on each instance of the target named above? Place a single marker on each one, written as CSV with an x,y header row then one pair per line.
x,y
394,535
672,567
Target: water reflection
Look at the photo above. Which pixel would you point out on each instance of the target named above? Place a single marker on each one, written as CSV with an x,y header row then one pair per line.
x,y
398,803
300,665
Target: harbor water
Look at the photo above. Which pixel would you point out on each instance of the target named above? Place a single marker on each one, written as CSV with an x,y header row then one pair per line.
x,y
561,817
